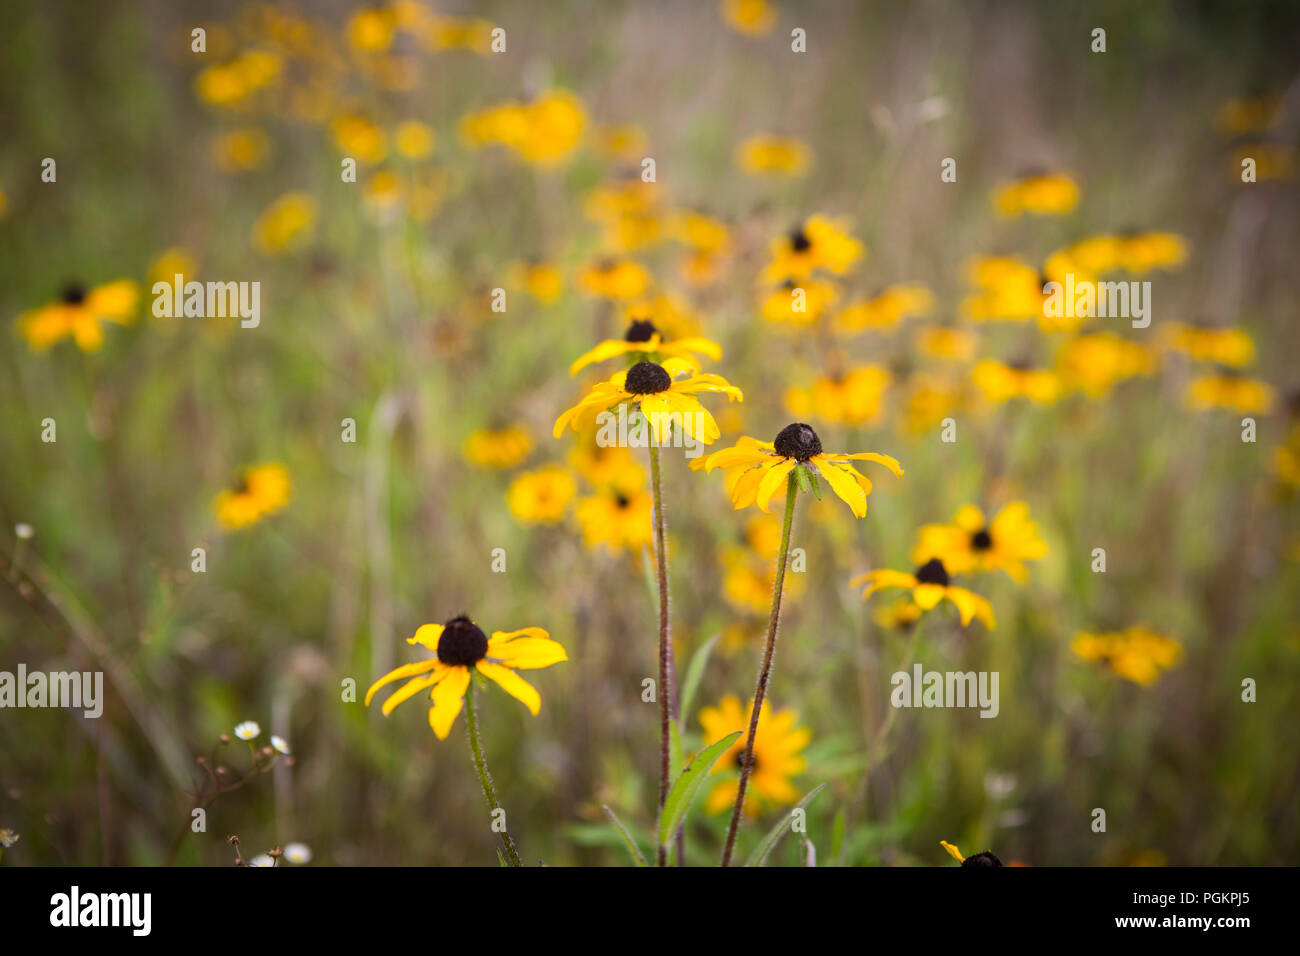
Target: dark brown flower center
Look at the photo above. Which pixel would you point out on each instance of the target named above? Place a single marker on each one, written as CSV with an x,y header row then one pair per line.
x,y
799,240
73,293
986,858
462,643
797,441
647,378
981,540
641,330
932,572
622,501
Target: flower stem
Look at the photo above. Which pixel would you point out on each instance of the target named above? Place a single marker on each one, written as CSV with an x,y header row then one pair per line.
x,y
765,671
485,778
665,638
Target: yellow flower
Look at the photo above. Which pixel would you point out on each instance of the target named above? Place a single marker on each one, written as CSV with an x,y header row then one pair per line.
x,y
643,339
773,155
851,399
1140,252
947,342
757,470
616,519
703,233
414,140
359,137
1009,290
543,132
498,448
1231,391
748,580
614,279
1086,258
261,490
799,303
627,143
284,223
544,282
172,263
753,18
541,496
817,243
371,29
1228,346
382,191
985,858
239,150
459,33
1094,363
460,646
1136,653
929,585
887,309
1000,382
971,542
930,399
665,395
227,84
606,465
1048,194
77,314
777,759
901,615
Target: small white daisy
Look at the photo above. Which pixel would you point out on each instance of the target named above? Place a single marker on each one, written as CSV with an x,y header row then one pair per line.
x,y
262,859
279,743
298,853
24,530
8,838
247,730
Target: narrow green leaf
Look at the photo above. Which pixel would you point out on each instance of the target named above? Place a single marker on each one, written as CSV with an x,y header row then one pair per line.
x,y
694,674
685,788
801,475
816,488
773,836
627,838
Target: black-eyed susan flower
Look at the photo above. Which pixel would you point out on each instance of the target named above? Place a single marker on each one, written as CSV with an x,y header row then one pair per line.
x,y
798,303
818,243
1135,653
929,585
643,339
543,280
1225,345
885,310
1095,363
753,18
769,155
541,496
260,491
756,470
498,447
664,394
1008,290
930,398
1040,194
947,343
231,83
543,132
359,137
1141,251
459,646
1230,390
617,519
614,279
972,542
611,466
1000,382
853,398
285,223
983,858
777,759
78,314
414,140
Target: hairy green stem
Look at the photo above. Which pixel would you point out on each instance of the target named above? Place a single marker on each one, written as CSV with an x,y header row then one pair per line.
x,y
765,671
665,690
485,778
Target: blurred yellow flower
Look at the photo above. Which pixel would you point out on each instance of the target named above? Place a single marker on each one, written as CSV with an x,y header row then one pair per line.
x,y
171,263
498,447
643,340
260,491
239,150
1048,194
78,314
360,138
901,615
1095,363
460,646
1009,290
773,156
1140,252
854,398
777,758
459,33
947,342
1135,653
930,399
798,303
972,543
618,520
1231,391
818,243
748,581
371,29
887,309
627,143
541,496
614,279
544,281
544,132
929,585
1224,345
228,84
414,140
999,382
285,223
612,466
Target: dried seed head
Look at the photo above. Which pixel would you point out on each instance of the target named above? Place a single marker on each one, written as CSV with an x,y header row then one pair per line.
x,y
647,378
797,441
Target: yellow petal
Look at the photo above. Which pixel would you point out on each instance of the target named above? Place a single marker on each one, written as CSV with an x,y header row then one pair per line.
x,y
927,596
952,851
843,484
427,635
512,684
413,687
772,482
448,698
527,649
604,351
406,670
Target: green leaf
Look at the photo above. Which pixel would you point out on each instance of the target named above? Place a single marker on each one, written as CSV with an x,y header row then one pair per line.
x,y
817,488
627,838
801,475
687,786
694,674
773,836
